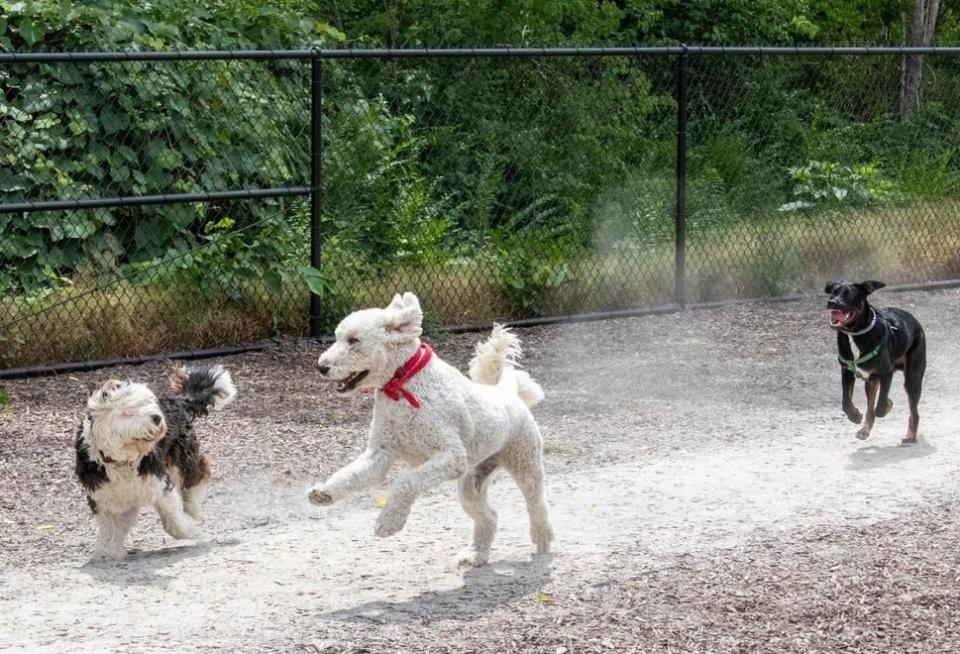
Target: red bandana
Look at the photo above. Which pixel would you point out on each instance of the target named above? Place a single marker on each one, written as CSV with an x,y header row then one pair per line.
x,y
394,388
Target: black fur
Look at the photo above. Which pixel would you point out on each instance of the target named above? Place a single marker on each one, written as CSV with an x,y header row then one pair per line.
x,y
152,464
90,473
896,341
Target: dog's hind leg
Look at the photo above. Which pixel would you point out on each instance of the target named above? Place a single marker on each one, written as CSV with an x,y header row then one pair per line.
x,y
913,371
523,459
113,530
872,386
473,498
193,496
174,519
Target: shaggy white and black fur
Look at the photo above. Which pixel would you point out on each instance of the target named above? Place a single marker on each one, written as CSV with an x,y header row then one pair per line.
x,y
464,429
134,449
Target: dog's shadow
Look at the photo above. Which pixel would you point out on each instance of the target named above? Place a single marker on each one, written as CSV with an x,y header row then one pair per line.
x,y
483,589
877,456
145,567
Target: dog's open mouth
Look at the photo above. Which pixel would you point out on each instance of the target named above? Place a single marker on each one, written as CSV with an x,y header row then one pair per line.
x,y
349,383
840,318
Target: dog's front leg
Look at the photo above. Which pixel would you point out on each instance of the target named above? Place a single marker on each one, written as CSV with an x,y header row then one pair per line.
x,y
884,403
846,383
446,465
365,471
872,386
113,530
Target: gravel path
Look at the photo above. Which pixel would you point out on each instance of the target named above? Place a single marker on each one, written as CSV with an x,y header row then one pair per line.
x,y
707,494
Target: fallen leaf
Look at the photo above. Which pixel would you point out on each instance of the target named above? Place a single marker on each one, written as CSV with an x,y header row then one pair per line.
x,y
380,501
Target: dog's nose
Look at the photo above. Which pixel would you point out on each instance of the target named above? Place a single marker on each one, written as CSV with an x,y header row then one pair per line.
x,y
156,418
324,370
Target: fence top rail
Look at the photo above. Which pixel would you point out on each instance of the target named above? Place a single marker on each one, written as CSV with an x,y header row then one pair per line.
x,y
440,53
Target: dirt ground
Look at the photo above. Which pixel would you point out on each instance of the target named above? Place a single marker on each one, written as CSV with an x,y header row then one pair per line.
x,y
706,491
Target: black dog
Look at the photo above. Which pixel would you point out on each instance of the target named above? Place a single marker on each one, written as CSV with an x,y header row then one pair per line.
x,y
873,343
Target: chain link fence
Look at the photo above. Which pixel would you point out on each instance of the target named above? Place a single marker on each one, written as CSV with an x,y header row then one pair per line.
x,y
801,170
157,202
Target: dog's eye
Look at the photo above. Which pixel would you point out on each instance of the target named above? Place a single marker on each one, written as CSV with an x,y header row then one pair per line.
x,y
353,340
156,419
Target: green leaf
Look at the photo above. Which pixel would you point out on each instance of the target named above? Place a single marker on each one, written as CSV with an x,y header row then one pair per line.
x,y
113,121
273,281
46,121
169,159
317,281
31,31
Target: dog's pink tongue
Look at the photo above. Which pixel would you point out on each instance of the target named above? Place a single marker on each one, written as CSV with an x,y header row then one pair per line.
x,y
838,316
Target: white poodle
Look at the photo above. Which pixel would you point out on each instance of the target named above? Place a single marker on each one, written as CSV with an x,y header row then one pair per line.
x,y
445,426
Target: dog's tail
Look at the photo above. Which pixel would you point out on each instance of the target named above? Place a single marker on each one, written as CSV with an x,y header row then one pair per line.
x,y
495,363
203,388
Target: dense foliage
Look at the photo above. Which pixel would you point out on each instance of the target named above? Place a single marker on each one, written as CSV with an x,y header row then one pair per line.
x,y
522,167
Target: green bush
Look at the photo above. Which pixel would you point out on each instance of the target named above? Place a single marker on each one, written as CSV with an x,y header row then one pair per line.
x,y
530,254
519,171
94,130
829,185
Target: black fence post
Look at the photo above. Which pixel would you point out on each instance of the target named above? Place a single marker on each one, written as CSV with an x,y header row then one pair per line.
x,y
680,218
316,182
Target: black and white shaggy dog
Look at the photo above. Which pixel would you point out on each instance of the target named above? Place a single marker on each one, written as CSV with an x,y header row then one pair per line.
x,y
134,449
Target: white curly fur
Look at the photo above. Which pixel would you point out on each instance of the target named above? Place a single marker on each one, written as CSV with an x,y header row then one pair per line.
x,y
495,361
463,430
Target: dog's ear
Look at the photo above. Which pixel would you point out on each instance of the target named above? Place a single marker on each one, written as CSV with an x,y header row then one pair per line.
x,y
870,286
103,394
178,379
399,302
396,303
406,323
830,287
410,300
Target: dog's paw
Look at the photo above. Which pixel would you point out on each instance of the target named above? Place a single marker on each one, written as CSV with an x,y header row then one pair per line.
x,y
188,531
320,497
102,555
854,415
471,558
388,523
884,410
181,528
863,434
909,441
109,556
